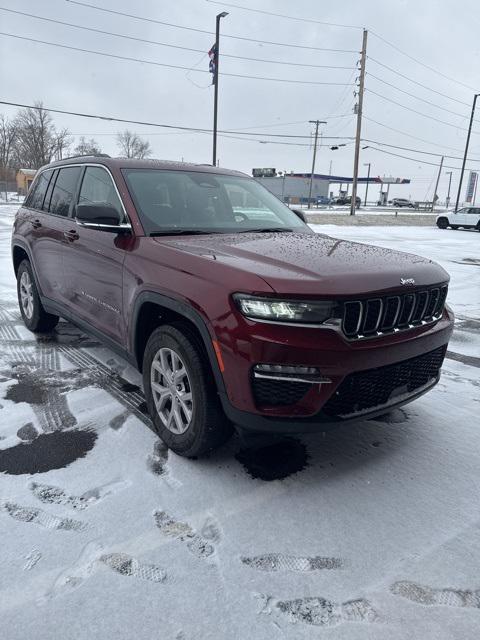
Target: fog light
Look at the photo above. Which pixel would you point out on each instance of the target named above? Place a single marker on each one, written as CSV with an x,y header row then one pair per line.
x,y
292,373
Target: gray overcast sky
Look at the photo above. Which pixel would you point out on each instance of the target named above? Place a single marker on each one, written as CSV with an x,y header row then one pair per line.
x,y
442,34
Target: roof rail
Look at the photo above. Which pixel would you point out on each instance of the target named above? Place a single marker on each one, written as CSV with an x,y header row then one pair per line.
x,y
88,155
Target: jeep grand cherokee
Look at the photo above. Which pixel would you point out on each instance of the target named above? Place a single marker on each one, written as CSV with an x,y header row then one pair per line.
x,y
232,307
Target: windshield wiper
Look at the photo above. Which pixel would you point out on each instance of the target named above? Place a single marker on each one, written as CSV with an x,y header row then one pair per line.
x,y
267,230
181,232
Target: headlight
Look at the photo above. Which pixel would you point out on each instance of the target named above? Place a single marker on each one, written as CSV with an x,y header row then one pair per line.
x,y
274,310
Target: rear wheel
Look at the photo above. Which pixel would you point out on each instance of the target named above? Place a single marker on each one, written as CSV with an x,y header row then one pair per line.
x,y
180,392
442,223
34,315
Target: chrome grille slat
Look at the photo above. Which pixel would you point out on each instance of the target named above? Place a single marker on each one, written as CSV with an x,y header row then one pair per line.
x,y
374,317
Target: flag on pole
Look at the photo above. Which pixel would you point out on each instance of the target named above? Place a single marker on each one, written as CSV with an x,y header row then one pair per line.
x,y
212,54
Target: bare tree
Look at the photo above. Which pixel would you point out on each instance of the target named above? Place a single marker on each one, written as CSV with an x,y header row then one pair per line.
x,y
8,135
38,141
87,147
132,146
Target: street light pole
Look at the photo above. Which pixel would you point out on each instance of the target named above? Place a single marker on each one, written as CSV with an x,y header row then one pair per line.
x,y
367,164
215,82
449,174
316,123
466,150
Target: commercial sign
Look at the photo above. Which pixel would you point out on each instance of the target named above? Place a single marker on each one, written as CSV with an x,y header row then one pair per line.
x,y
472,181
264,173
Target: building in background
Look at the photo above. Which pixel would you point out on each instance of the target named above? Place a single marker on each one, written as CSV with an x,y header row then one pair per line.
x,y
294,188
24,180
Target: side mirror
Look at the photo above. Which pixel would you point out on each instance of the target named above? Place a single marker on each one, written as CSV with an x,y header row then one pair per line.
x,y
299,213
99,216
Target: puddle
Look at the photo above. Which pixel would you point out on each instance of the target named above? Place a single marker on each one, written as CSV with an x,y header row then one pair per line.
x,y
29,389
48,451
274,461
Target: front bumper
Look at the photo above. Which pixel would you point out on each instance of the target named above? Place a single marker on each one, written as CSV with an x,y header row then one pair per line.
x,y
336,359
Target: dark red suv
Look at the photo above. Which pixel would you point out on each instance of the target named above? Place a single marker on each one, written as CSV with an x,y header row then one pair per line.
x,y
233,309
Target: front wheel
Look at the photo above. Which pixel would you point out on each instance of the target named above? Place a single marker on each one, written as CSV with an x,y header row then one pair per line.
x,y
442,223
34,315
180,392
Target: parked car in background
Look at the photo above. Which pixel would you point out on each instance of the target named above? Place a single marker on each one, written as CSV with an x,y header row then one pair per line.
x,y
402,202
467,217
236,312
323,200
343,200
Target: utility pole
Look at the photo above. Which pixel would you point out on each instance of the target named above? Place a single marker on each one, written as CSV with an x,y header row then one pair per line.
x,y
224,14
436,184
316,123
361,89
367,164
449,174
466,150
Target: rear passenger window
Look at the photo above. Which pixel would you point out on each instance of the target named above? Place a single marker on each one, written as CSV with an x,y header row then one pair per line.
x,y
36,196
64,190
98,188
48,195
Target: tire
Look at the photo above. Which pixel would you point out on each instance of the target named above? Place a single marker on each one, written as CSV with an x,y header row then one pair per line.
x,y
207,427
442,223
34,316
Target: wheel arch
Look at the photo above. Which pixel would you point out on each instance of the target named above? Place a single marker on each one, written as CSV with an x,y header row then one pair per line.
x,y
151,310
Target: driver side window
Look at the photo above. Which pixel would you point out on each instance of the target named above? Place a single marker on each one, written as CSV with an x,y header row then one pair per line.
x,y
98,188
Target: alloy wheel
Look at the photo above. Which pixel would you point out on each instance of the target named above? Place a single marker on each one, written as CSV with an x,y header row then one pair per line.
x,y
26,295
171,390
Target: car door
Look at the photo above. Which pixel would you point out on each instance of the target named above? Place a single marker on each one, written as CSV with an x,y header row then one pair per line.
x,y
472,217
94,260
51,222
460,218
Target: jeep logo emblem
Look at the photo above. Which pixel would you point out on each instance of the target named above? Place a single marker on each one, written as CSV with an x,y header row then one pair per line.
x,y
407,281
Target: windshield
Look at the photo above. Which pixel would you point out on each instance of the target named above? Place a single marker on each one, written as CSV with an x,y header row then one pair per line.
x,y
205,202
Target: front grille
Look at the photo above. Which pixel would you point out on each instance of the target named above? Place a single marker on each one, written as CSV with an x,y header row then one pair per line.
x,y
376,316
277,393
365,390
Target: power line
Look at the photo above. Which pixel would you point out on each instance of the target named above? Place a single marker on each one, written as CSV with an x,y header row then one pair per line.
x,y
164,44
177,26
281,15
171,66
404,53
412,95
409,135
346,26
428,153
419,84
397,155
424,115
156,124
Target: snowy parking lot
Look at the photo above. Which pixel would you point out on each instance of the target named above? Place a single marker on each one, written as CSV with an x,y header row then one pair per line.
x,y
370,531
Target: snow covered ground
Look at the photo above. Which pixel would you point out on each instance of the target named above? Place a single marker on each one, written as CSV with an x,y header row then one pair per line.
x,y
373,533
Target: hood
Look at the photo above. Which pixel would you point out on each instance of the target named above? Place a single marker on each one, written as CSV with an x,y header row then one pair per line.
x,y
304,264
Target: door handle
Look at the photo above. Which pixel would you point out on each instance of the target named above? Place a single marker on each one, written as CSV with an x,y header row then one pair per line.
x,y
36,223
71,235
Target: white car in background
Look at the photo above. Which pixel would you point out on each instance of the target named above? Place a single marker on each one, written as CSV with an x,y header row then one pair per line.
x,y
467,217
